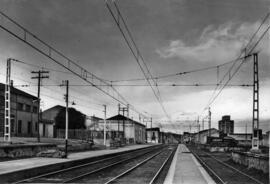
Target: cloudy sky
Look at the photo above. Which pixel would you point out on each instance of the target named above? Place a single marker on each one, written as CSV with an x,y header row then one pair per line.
x,y
173,36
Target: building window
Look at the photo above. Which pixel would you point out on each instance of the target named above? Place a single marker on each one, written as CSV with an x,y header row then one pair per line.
x,y
20,106
12,125
29,127
36,126
19,126
28,108
35,109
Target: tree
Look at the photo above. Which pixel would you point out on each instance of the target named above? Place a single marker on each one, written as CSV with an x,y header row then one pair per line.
x,y
76,119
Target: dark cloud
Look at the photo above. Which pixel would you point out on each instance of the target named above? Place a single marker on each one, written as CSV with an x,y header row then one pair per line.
x,y
173,36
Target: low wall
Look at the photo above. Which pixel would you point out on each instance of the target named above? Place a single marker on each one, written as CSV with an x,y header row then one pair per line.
x,y
24,150
251,160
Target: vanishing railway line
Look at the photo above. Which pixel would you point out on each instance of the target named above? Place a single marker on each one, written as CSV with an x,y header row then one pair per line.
x,y
222,172
147,163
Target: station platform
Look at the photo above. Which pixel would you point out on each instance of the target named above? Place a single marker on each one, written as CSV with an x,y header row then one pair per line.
x,y
22,166
185,169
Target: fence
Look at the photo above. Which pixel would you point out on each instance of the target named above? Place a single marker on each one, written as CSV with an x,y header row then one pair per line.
x,y
83,134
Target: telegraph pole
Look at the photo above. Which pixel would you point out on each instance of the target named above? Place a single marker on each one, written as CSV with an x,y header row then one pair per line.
x,y
123,110
7,103
40,76
66,97
104,125
66,132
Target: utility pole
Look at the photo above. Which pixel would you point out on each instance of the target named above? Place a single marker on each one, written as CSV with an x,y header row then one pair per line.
x,y
209,122
7,103
66,97
151,120
255,116
123,110
40,76
104,125
66,83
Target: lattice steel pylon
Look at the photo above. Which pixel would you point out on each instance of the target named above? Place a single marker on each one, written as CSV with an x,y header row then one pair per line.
x,y
255,118
7,104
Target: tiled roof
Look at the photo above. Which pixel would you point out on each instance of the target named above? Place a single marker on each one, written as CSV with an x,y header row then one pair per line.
x,y
121,117
18,92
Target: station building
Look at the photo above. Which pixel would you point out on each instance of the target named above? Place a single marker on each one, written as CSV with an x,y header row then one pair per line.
x,y
226,125
92,123
49,129
24,113
48,121
133,131
201,136
153,135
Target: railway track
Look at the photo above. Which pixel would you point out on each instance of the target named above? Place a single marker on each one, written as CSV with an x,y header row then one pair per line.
x,y
221,172
114,169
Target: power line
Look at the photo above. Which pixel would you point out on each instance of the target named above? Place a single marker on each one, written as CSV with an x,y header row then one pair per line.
x,y
36,66
178,73
118,18
67,63
143,85
247,53
31,84
53,97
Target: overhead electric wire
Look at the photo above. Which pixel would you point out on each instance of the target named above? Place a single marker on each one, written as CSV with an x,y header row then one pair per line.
x,y
263,21
247,54
67,65
46,86
42,85
178,73
136,53
236,70
42,67
138,79
143,85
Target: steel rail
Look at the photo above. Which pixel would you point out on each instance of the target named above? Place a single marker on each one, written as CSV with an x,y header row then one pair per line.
x,y
161,168
237,170
148,149
132,168
102,168
224,164
211,170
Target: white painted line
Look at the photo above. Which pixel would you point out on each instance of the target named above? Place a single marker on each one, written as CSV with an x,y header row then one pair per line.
x,y
170,175
206,176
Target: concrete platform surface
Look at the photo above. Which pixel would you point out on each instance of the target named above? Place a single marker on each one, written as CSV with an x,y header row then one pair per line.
x,y
185,169
29,163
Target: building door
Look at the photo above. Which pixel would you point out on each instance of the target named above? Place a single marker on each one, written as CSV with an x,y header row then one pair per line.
x,y
29,127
